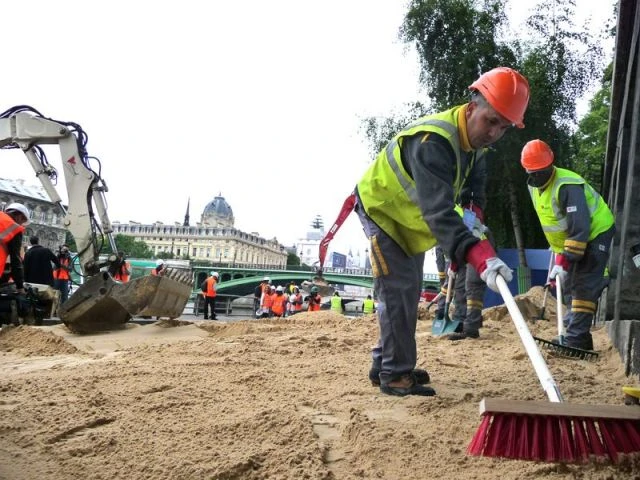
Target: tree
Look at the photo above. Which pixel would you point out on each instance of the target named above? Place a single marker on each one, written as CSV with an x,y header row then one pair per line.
x,y
380,131
590,140
293,260
133,248
70,241
456,41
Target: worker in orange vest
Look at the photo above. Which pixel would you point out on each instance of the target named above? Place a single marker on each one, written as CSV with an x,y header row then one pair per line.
x,y
315,300
267,301
160,268
297,300
279,302
61,275
12,223
208,288
121,268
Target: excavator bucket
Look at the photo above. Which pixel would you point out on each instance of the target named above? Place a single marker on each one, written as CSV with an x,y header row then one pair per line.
x,y
324,289
103,303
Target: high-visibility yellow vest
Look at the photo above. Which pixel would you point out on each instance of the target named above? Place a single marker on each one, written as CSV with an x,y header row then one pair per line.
x,y
389,194
367,305
336,304
554,220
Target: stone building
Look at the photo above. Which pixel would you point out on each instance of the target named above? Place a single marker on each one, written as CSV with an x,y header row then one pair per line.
x,y
214,239
46,216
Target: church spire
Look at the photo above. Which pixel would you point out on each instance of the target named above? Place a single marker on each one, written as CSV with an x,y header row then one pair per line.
x,y
186,215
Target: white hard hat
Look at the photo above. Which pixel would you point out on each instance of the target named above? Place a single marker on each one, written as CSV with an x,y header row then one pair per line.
x,y
266,279
159,262
18,207
279,288
272,287
215,274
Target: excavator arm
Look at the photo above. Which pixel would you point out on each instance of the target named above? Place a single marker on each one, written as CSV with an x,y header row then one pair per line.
x,y
101,302
85,187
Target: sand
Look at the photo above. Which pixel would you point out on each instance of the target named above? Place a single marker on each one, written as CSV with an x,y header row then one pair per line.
x,y
280,399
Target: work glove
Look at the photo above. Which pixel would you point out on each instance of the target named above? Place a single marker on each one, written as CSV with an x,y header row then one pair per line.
x,y
475,209
560,269
484,259
451,273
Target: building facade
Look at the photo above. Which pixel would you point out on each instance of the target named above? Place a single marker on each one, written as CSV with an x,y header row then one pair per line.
x,y
46,216
214,239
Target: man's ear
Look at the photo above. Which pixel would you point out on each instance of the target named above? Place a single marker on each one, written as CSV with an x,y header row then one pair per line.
x,y
470,109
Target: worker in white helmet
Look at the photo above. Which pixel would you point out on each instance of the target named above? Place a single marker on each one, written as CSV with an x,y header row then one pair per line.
x,y
160,268
12,222
209,290
258,295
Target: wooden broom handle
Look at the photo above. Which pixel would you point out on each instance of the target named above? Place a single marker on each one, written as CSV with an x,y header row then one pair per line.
x,y
539,365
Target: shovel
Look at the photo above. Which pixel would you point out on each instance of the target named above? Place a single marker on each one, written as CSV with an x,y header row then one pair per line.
x,y
444,325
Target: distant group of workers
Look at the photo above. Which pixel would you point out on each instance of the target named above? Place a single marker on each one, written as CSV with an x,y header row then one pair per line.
x,y
278,301
38,264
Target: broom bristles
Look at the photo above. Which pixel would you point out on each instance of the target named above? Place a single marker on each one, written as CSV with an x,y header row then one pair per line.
x,y
552,438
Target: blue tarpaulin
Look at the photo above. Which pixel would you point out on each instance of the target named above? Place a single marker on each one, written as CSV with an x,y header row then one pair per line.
x,y
537,261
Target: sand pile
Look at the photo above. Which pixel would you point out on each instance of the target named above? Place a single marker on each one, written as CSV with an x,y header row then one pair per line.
x,y
30,341
287,399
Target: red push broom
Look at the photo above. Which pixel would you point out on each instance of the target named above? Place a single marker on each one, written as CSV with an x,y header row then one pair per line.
x,y
551,431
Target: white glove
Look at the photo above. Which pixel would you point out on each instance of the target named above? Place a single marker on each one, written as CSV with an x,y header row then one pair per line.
x,y
558,271
451,274
495,266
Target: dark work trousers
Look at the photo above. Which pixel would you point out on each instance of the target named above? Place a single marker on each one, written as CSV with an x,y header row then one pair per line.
x,y
397,283
585,283
442,265
210,302
469,298
63,287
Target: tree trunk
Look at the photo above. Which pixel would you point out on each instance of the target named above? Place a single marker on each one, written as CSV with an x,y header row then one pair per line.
x,y
517,231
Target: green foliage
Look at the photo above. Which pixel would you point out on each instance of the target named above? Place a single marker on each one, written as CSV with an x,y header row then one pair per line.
x,y
165,255
456,41
293,260
591,137
133,248
380,131
70,241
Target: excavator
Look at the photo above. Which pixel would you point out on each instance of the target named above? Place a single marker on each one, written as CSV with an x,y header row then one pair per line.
x,y
100,303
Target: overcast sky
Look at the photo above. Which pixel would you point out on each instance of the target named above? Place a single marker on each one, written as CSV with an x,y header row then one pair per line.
x,y
258,100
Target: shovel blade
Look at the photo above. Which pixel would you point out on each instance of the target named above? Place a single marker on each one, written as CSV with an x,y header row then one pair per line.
x,y
444,326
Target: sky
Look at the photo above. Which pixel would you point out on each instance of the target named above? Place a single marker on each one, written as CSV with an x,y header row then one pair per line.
x,y
259,101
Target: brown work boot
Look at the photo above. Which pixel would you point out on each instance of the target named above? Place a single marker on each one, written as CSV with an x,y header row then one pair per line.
x,y
406,385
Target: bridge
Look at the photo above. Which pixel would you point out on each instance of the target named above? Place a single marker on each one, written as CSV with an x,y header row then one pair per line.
x,y
242,280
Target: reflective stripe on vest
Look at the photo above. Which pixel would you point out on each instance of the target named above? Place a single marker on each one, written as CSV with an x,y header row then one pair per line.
x,y
8,230
389,194
61,273
211,287
554,221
